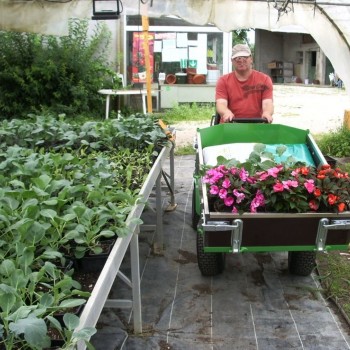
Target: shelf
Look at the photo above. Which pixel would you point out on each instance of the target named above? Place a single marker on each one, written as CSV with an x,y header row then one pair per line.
x,y
281,72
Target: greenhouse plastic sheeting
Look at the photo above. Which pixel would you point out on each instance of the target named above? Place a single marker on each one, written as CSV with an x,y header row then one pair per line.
x,y
326,21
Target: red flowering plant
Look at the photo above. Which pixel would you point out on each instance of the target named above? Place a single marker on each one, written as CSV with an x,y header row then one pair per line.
x,y
267,186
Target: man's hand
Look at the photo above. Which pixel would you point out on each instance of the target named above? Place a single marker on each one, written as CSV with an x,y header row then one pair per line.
x,y
227,117
268,108
268,117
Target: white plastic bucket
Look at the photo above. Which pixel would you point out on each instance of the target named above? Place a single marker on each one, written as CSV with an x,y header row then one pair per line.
x,y
161,78
212,76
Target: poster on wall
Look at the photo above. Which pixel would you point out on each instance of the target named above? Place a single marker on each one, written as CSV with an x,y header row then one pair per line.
x,y
138,57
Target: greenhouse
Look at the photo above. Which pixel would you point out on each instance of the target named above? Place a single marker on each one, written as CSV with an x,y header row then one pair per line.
x,y
110,239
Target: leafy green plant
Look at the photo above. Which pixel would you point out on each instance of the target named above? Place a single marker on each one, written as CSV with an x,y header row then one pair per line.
x,y
62,74
21,327
138,131
47,132
82,203
26,298
26,330
335,143
71,334
63,188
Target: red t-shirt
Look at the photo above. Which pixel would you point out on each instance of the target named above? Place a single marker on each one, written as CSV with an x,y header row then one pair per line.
x,y
245,97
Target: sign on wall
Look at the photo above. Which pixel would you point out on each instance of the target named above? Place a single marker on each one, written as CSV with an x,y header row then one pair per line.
x,y
138,57
190,52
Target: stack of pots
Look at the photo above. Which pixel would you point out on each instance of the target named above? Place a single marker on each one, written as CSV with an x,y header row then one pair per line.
x,y
191,72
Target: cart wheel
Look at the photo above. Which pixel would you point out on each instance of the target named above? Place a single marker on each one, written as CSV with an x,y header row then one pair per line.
x,y
210,264
195,216
301,263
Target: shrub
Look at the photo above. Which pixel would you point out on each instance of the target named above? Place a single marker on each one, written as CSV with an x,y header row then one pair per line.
x,y
60,74
335,143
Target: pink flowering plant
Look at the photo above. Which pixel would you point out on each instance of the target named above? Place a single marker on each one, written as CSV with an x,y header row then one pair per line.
x,y
267,186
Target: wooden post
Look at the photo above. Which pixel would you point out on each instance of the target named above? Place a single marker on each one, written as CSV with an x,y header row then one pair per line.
x,y
145,26
346,122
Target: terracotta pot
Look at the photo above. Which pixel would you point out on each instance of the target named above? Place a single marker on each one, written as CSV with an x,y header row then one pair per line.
x,y
170,79
191,72
199,79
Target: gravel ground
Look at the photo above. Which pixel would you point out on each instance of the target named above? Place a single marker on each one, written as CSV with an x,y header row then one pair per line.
x,y
317,108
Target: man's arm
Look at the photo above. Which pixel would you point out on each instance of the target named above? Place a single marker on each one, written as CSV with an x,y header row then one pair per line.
x,y
267,110
222,109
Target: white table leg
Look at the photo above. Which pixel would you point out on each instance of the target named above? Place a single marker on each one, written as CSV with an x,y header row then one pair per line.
x,y
107,105
136,281
144,103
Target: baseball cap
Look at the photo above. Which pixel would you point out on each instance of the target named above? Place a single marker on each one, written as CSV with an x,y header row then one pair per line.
x,y
240,50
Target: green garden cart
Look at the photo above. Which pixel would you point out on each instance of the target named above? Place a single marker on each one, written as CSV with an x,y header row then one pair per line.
x,y
302,235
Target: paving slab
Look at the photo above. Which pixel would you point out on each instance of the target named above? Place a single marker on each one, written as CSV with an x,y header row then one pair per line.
x,y
255,304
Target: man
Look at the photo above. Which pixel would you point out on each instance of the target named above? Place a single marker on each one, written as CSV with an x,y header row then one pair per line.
x,y
244,93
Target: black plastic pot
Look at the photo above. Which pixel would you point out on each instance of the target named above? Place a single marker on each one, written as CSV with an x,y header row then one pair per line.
x,y
56,344
94,262
331,161
76,311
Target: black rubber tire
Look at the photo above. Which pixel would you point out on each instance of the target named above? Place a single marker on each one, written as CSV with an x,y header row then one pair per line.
x,y
210,264
301,263
195,216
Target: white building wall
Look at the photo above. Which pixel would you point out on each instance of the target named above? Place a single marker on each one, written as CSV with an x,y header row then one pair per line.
x,y
289,47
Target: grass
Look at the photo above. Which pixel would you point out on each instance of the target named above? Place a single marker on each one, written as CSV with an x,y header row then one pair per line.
x,y
189,112
185,150
334,276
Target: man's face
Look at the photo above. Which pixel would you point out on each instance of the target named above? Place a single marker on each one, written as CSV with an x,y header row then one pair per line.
x,y
242,63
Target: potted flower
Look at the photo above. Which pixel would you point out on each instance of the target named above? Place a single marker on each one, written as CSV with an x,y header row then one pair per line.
x,y
267,186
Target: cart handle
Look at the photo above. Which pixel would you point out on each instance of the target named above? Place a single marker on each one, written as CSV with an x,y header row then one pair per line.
x,y
249,120
215,120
